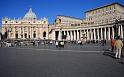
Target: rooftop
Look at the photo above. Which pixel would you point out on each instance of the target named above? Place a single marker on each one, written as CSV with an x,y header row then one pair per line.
x,y
105,6
70,17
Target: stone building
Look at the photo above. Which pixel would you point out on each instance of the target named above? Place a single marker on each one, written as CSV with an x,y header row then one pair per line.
x,y
29,27
62,26
99,24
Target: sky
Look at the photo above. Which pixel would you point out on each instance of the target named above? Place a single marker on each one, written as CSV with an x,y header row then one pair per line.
x,y
50,8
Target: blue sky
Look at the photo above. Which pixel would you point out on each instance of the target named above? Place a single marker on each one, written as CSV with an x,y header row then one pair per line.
x,y
50,8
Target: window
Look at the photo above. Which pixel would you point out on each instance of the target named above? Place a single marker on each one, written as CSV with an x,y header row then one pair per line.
x,y
16,35
29,36
25,35
44,34
78,24
34,35
72,24
21,36
5,21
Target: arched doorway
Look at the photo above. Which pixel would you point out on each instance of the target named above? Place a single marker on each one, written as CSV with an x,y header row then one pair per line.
x,y
16,35
34,35
6,35
44,35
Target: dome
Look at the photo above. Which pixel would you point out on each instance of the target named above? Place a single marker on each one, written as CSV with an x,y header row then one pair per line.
x,y
30,15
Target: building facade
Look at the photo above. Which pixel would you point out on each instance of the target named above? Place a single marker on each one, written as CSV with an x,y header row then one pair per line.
x,y
63,24
99,24
29,27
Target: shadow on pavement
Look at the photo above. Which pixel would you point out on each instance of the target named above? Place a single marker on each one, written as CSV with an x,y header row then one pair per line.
x,y
120,62
109,53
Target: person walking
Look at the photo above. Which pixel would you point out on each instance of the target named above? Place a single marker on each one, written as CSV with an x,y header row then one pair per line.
x,y
62,44
57,44
112,45
118,44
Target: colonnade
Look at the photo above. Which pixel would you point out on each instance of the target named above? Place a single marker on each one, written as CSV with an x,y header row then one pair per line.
x,y
91,33
29,32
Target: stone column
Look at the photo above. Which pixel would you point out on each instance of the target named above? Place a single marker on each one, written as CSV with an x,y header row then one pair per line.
x,y
36,32
105,33
67,36
94,34
74,35
71,35
18,29
91,33
53,35
27,31
60,35
31,32
23,32
63,32
108,33
121,31
14,32
97,33
87,35
19,32
101,34
113,32
77,35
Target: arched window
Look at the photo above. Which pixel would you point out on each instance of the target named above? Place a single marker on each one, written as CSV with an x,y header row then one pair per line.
x,y
34,35
44,34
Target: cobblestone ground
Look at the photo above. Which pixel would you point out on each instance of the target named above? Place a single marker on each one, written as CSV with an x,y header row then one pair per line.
x,y
48,61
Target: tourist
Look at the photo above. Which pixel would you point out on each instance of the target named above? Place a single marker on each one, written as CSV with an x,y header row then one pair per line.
x,y
118,44
57,44
62,44
112,44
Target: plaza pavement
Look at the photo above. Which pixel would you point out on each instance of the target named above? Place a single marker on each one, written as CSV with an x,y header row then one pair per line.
x,y
48,61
